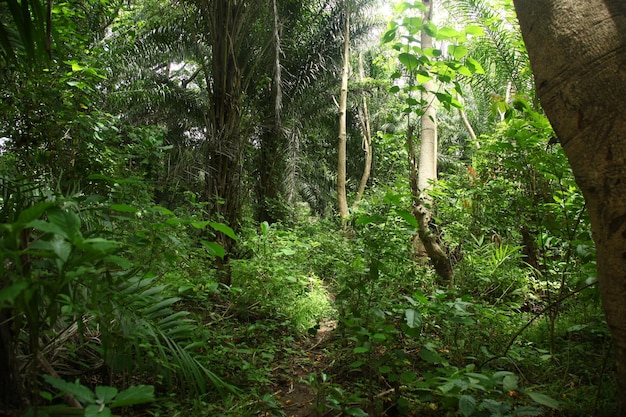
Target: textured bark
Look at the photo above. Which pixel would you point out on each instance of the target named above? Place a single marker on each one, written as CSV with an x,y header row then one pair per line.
x,y
426,242
342,199
577,50
364,118
422,202
271,161
428,147
228,23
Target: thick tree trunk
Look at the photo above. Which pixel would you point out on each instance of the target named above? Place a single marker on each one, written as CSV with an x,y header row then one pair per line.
x,y
271,159
342,199
577,50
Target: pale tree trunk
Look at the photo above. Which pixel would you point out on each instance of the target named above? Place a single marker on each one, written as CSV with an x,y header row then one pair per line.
x,y
577,51
364,118
423,203
342,199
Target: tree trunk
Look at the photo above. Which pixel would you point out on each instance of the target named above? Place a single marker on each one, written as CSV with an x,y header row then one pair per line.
x,y
428,242
577,50
271,160
364,118
342,199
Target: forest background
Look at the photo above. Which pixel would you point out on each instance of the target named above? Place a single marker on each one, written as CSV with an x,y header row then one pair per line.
x,y
243,208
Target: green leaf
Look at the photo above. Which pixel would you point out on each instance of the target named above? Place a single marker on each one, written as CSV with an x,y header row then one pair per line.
x,y
544,400
105,394
78,391
509,382
10,293
394,89
361,349
474,30
430,356
467,405
61,247
357,412
199,224
94,410
389,35
408,217
474,66
214,249
33,212
265,228
123,208
447,33
408,60
457,51
137,394
409,376
430,29
413,318
221,227
412,24
422,79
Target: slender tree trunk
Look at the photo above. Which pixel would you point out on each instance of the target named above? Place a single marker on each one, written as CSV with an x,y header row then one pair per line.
x,y
426,243
364,118
342,199
427,174
577,50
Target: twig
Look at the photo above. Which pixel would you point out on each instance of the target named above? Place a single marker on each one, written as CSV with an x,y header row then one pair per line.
x,y
48,368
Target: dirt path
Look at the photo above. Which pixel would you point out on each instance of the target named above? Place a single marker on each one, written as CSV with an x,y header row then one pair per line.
x,y
297,398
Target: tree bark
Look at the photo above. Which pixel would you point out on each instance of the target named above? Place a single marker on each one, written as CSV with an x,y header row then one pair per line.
x,y
271,161
364,118
422,202
342,199
577,51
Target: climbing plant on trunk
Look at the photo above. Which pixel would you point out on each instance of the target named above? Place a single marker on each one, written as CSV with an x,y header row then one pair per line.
x,y
432,73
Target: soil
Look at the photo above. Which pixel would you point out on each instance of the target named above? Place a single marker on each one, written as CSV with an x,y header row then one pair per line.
x,y
297,398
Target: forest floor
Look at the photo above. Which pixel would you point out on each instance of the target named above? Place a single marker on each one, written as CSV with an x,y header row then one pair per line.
x,y
297,397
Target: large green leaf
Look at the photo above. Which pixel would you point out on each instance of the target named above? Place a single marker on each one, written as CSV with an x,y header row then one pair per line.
x,y
137,394
78,391
221,227
409,60
543,399
214,249
467,405
413,318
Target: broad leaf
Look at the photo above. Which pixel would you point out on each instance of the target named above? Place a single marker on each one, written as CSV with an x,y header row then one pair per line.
x,y
457,51
138,394
543,399
105,394
467,405
221,227
214,249
78,391
409,60
123,208
413,318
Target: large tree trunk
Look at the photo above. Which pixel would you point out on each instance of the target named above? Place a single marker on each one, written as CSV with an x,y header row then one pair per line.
x,y
577,50
342,199
271,160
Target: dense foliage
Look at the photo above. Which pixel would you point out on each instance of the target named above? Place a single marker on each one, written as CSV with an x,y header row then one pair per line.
x,y
132,284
